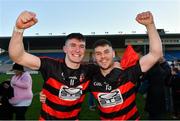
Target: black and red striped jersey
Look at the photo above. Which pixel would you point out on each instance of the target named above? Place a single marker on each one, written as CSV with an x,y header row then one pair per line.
x,y
115,93
64,88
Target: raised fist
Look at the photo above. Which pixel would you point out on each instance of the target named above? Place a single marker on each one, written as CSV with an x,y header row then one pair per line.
x,y
145,18
26,19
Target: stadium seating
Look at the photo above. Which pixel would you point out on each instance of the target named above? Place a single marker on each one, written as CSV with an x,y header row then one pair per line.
x,y
52,55
172,55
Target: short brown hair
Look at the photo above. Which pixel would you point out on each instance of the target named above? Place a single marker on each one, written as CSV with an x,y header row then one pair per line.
x,y
78,36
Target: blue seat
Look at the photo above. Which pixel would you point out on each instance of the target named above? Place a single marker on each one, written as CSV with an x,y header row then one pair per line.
x,y
172,55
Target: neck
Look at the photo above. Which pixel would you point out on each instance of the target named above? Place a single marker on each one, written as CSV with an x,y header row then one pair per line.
x,y
71,65
106,71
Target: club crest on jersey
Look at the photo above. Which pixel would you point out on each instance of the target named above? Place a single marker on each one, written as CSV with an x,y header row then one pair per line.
x,y
82,77
110,99
70,93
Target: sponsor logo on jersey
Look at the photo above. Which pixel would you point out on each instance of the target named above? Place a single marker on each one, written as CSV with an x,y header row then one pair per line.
x,y
70,93
110,99
97,84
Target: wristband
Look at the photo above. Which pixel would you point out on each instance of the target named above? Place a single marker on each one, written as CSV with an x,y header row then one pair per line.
x,y
18,30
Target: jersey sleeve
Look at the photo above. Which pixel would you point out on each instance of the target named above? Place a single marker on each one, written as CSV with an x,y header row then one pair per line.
x,y
47,67
92,69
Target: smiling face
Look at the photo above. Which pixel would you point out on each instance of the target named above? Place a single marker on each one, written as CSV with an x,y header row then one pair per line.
x,y
104,56
74,49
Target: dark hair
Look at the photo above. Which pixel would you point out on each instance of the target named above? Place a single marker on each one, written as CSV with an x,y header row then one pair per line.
x,y
78,36
17,67
101,42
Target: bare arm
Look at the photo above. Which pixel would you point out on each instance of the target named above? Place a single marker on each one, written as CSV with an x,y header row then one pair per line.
x,y
16,48
155,45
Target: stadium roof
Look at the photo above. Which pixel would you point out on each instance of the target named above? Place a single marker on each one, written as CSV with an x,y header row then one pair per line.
x,y
57,42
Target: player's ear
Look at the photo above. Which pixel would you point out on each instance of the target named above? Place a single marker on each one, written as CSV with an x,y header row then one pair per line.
x,y
64,48
113,53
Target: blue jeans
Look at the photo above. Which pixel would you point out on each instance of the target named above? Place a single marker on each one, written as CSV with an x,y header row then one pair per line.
x,y
91,100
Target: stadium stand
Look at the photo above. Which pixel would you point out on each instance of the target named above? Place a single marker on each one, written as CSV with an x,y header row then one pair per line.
x,y
51,46
59,55
172,55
